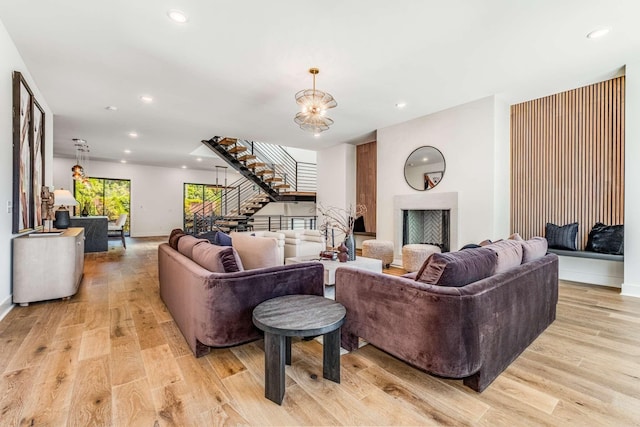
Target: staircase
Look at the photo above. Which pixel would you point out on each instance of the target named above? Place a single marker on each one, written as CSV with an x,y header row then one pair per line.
x,y
268,166
269,174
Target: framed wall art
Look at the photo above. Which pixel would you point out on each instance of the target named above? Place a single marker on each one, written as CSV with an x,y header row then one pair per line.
x,y
28,157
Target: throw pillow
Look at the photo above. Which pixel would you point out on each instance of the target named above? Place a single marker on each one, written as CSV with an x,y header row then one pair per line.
x,y
606,239
175,235
564,237
470,246
534,248
509,254
217,259
257,252
516,236
458,268
187,243
222,239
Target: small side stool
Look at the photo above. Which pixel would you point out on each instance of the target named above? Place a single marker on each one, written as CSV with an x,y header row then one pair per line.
x,y
378,249
414,255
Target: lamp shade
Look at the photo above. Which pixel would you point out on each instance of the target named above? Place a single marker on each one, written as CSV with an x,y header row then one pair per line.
x,y
63,197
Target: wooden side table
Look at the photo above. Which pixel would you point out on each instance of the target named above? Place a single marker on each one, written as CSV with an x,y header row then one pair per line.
x,y
297,316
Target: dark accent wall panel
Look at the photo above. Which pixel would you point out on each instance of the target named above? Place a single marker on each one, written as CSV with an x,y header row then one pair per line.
x,y
567,160
366,187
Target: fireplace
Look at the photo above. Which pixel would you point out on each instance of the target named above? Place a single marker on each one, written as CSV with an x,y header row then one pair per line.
x,y
441,207
429,227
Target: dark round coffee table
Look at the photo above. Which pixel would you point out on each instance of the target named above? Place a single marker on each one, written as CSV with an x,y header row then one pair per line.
x,y
297,316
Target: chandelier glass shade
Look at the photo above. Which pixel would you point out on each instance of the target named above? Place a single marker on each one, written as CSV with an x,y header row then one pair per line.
x,y
82,156
314,105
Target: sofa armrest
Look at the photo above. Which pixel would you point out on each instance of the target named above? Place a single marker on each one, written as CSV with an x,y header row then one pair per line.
x,y
224,303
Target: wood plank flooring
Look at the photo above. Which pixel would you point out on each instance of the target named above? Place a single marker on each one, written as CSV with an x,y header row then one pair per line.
x,y
112,356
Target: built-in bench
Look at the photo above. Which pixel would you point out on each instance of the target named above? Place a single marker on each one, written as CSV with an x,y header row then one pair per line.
x,y
591,267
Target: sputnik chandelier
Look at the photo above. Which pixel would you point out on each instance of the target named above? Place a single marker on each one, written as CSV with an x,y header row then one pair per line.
x,y
315,104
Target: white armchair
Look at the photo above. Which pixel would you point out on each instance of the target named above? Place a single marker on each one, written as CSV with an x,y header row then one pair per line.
x,y
302,243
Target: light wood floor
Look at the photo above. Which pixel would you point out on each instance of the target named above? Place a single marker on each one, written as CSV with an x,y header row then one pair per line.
x,y
113,356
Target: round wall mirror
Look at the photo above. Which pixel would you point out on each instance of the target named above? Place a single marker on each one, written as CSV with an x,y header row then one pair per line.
x,y
424,168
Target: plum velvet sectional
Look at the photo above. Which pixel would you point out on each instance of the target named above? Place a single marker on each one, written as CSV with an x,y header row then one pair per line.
x,y
211,296
482,309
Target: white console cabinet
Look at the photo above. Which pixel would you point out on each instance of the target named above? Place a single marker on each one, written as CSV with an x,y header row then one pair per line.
x,y
47,266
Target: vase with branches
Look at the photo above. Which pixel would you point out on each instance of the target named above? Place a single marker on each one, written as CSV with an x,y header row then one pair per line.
x,y
342,220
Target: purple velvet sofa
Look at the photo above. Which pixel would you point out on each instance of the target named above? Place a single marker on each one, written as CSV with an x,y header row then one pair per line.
x,y
214,309
470,332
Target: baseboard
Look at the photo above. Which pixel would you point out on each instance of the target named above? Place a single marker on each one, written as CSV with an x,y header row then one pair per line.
x,y
630,290
6,306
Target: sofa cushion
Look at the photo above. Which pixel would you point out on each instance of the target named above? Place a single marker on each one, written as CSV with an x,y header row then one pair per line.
x,y
186,244
509,254
562,237
257,252
534,248
606,239
175,235
458,268
217,259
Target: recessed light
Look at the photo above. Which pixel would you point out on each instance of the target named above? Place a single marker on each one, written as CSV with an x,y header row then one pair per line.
x,y
199,159
147,99
401,104
597,33
177,16
127,151
184,166
317,135
133,134
123,161
424,159
111,108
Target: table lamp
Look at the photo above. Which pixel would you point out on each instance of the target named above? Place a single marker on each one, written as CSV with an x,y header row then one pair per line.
x,y
63,198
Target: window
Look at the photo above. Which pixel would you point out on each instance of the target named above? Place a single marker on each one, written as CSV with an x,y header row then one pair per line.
x,y
104,196
201,200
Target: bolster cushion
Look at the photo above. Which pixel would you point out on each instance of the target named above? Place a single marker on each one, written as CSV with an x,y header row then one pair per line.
x,y
458,268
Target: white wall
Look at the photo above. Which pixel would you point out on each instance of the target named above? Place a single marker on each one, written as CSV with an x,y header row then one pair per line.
x,y
10,61
631,284
156,192
302,155
337,179
467,136
502,169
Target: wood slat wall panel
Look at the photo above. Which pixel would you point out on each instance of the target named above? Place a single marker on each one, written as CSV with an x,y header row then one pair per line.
x,y
366,186
567,160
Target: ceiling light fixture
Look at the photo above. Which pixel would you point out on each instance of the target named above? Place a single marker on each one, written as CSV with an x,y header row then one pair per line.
x,y
598,33
199,159
133,134
177,16
82,156
127,151
314,103
147,99
123,161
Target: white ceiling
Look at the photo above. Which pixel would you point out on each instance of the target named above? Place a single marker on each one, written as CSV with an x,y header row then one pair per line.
x,y
234,68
